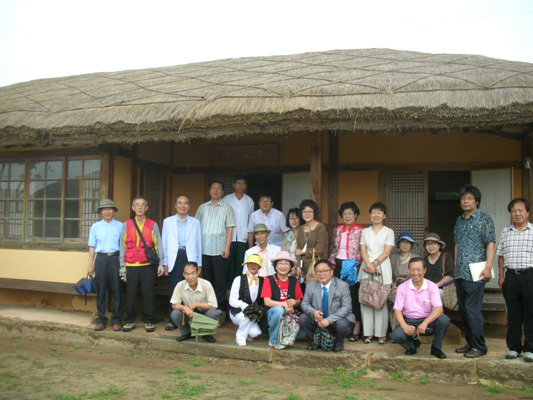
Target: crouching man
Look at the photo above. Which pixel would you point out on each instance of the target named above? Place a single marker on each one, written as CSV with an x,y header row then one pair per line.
x,y
194,294
418,309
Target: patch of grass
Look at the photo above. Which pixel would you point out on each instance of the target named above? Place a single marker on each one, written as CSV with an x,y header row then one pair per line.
x,y
22,356
246,381
152,356
340,368
528,390
76,346
422,381
194,377
65,397
53,342
188,390
494,389
293,396
398,377
196,361
132,353
38,388
112,392
9,379
179,371
269,390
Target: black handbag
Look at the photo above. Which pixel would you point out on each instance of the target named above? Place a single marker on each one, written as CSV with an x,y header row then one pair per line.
x,y
150,252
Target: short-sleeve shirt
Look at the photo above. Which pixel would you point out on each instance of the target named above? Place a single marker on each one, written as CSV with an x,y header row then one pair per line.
x,y
242,209
204,293
105,236
283,288
472,235
275,221
214,219
417,304
516,247
434,271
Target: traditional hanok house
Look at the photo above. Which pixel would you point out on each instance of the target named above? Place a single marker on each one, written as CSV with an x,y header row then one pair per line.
x,y
400,127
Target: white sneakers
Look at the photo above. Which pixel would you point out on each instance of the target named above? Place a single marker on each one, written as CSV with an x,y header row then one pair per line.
x,y
511,355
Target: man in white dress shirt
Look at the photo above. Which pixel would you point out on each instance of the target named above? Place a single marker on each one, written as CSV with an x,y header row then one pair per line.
x,y
272,218
182,242
243,207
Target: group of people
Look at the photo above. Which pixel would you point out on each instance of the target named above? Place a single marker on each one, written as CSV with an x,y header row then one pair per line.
x,y
277,267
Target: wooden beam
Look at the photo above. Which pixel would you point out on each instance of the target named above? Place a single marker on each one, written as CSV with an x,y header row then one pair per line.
x,y
315,168
333,181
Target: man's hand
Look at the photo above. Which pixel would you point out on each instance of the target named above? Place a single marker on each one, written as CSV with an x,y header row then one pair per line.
x,y
501,281
318,315
166,270
160,270
486,274
122,272
225,253
90,270
422,328
409,329
188,311
324,323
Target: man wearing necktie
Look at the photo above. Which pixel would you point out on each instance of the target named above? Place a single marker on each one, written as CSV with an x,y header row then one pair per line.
x,y
327,304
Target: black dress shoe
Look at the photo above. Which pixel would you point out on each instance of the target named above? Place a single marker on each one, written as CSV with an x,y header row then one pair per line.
x,y
170,327
313,346
187,336
464,349
338,347
437,352
414,347
209,338
474,353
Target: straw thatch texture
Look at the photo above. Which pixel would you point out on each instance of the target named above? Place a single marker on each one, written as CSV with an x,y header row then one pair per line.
x,y
342,91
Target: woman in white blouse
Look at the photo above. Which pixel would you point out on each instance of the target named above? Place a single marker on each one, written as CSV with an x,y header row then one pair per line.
x,y
377,242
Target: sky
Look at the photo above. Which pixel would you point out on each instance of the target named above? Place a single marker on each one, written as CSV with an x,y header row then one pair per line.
x,y
53,38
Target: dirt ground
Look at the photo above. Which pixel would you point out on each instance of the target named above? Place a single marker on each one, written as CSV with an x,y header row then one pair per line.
x,y
45,368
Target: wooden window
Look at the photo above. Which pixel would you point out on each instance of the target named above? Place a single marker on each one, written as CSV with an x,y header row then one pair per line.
x,y
12,199
54,199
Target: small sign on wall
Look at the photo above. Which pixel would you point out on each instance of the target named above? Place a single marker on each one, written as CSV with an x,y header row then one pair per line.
x,y
245,155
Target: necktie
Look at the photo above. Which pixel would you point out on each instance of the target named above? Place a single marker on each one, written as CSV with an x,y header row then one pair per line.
x,y
325,302
254,278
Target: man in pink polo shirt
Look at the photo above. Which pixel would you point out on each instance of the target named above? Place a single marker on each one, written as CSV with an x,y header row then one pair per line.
x,y
418,309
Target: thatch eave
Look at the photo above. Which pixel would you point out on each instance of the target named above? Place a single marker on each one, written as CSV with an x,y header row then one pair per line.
x,y
343,91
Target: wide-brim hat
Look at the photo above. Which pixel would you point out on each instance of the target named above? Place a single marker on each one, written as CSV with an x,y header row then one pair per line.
x,y
284,255
253,259
406,236
106,203
260,228
434,238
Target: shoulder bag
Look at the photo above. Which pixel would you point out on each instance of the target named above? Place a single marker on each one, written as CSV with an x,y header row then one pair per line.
x,y
373,292
449,296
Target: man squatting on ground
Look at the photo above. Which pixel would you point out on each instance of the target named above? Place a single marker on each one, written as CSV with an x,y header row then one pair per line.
x,y
192,295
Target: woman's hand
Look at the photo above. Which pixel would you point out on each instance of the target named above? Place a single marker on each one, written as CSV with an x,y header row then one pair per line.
x,y
298,252
369,269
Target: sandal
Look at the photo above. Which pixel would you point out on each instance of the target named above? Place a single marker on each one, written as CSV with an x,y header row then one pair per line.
x,y
368,340
382,341
353,337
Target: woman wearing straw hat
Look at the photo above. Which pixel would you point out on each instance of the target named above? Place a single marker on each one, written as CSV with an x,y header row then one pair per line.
x,y
245,291
434,261
400,269
282,294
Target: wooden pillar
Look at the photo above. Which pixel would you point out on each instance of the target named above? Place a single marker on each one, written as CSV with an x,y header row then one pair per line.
x,y
333,181
527,175
316,169
134,174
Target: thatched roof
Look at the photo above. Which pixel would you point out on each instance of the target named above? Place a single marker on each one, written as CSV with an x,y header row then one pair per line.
x,y
342,91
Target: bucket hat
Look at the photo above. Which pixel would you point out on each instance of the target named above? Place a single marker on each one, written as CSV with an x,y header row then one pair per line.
x,y
434,238
106,203
284,255
406,236
260,228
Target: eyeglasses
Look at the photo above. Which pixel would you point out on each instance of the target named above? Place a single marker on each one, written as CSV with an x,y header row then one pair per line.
x,y
470,198
347,215
431,244
308,212
285,263
323,271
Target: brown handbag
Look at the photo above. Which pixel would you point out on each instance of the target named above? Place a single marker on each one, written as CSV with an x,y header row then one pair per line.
x,y
449,295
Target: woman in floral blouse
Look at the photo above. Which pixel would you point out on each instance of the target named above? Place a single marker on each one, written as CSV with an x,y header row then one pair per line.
x,y
345,246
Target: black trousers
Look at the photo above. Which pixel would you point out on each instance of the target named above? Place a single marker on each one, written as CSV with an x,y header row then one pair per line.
x,y
176,276
339,328
518,294
106,275
470,300
144,277
214,270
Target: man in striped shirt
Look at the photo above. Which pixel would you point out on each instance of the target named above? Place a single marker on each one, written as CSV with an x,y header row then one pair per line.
x,y
217,220
515,254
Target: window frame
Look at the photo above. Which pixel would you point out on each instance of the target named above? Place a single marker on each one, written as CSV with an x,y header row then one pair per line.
x,y
27,241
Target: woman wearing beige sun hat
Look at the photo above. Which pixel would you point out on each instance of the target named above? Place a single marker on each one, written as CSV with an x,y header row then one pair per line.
x,y
436,272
